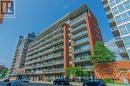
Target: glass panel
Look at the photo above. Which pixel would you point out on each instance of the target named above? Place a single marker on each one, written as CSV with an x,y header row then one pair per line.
x,y
128,27
127,5
123,30
127,41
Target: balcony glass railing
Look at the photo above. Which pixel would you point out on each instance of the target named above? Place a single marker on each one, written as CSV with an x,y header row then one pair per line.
x,y
111,20
80,33
77,20
81,59
79,27
55,36
81,48
53,32
45,47
80,41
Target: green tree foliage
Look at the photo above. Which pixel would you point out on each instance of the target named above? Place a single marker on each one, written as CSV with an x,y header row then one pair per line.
x,y
101,54
3,72
75,72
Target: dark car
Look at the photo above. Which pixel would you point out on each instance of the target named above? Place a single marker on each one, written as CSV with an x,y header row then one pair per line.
x,y
94,82
7,82
16,83
25,81
61,81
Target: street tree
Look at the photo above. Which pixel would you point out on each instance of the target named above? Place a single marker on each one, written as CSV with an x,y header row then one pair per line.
x,y
101,54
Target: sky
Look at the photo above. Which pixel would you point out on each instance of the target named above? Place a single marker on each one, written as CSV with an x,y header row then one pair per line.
x,y
36,15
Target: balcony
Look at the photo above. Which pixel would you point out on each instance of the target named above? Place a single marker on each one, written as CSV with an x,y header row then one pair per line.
x,y
77,21
79,28
53,63
106,5
45,37
44,59
45,47
54,71
123,52
80,60
80,35
82,51
80,43
111,20
46,42
109,14
119,41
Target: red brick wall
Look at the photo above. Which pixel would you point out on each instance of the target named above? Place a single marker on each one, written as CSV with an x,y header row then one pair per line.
x,y
115,70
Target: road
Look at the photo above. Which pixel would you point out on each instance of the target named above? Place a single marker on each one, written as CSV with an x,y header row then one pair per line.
x,y
43,84
30,84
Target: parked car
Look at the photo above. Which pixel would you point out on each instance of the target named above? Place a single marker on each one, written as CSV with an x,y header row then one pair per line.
x,y
16,83
7,82
94,82
25,80
61,81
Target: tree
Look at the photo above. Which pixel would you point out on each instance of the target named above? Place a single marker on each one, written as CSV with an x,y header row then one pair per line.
x,y
74,72
3,72
101,54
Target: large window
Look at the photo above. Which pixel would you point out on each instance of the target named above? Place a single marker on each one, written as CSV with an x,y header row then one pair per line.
x,y
128,27
125,29
123,18
127,41
118,19
115,10
114,2
127,4
121,8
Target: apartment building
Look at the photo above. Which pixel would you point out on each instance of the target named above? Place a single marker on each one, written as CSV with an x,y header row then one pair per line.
x,y
67,42
19,58
118,14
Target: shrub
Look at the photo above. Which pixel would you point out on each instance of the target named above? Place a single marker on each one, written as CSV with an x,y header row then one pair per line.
x,y
108,80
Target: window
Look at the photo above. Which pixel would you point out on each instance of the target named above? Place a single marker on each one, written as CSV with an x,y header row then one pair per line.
x,y
129,52
115,10
118,1
123,30
127,5
127,41
125,17
128,27
121,8
118,19
129,13
112,3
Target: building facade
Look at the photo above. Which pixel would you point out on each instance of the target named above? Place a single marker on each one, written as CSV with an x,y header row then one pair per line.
x,y
18,63
111,45
118,14
67,42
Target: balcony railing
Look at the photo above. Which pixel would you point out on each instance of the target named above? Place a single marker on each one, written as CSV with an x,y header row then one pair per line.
x,y
80,34
46,42
77,20
80,27
45,65
46,37
81,59
43,59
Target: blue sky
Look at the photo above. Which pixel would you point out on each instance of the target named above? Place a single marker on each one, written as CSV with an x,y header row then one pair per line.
x,y
35,15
